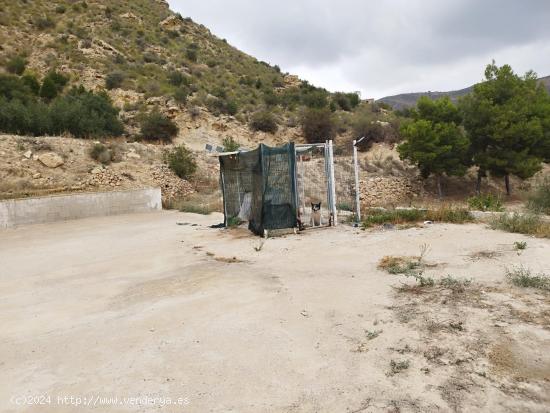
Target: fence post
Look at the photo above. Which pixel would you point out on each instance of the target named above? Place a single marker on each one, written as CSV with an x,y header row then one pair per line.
x,y
333,183
357,194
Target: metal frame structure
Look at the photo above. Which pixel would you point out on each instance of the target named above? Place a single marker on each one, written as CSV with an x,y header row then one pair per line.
x,y
274,180
328,155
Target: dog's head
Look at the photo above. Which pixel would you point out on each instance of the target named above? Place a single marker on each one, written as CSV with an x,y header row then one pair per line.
x,y
315,207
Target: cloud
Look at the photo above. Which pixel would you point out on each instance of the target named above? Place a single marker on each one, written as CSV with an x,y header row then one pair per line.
x,y
384,47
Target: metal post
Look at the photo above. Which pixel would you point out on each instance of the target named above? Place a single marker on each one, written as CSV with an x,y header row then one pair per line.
x,y
357,194
333,184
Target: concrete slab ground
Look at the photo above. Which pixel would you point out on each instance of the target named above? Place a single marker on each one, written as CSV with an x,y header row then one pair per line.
x,y
159,312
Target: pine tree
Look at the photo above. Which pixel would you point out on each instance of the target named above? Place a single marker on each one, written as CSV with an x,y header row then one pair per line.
x,y
434,140
507,118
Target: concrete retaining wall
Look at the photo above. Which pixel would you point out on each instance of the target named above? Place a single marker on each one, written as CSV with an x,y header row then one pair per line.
x,y
17,212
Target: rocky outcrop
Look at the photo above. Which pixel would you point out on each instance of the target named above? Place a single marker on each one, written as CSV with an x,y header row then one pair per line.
x,y
50,159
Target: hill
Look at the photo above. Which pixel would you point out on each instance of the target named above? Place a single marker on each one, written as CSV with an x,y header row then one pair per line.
x,y
146,56
406,100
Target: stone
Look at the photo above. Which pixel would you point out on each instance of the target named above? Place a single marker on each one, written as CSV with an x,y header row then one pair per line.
x,y
28,154
50,159
37,175
97,170
133,155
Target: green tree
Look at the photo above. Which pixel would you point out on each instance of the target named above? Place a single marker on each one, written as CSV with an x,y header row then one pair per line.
x,y
507,118
434,141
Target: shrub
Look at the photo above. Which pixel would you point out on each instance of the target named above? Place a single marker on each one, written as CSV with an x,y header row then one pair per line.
x,y
48,90
486,202
156,126
264,121
181,94
114,80
177,78
230,144
318,125
85,114
522,277
52,84
43,23
16,65
403,216
539,200
60,9
317,99
192,54
181,161
32,83
101,153
520,245
522,224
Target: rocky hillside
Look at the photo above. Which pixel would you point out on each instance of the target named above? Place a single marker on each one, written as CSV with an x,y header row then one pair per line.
x,y
406,100
146,56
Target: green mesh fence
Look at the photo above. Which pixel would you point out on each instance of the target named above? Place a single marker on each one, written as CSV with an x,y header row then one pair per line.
x,y
259,187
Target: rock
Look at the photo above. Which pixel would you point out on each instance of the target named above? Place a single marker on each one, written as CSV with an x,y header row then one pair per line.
x,y
28,154
37,175
133,155
51,159
97,170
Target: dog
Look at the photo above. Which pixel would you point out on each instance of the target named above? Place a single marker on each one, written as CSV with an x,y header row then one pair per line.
x,y
316,219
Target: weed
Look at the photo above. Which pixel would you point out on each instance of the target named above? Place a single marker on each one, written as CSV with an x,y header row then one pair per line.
x,y
398,366
522,224
455,284
403,216
522,277
539,200
233,222
372,334
520,245
399,265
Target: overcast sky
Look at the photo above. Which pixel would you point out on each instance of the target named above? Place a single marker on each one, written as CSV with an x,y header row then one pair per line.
x,y
383,47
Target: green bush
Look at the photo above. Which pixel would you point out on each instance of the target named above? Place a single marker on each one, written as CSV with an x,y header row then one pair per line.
x,y
486,202
60,9
44,22
16,65
52,84
85,114
181,94
177,78
114,80
181,161
404,216
32,83
264,121
230,144
522,277
318,125
192,54
539,200
156,126
522,224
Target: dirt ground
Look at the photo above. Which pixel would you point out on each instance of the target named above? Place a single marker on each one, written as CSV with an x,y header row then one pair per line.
x,y
161,306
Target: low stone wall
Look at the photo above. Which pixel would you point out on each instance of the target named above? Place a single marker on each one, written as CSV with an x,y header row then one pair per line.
x,y
17,212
